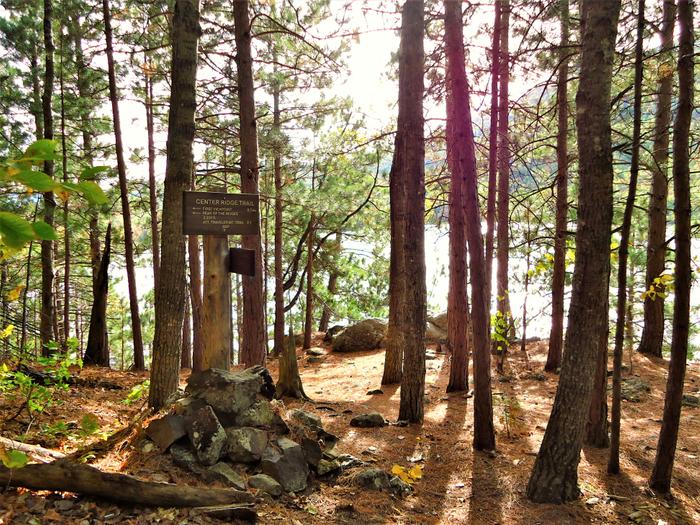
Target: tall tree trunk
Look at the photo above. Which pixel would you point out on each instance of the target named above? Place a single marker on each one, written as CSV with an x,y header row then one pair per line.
x,y
326,313
289,383
47,247
254,350
186,355
668,437
309,310
653,331
139,363
623,252
559,271
170,294
503,313
493,151
554,475
457,308
195,267
411,174
97,351
66,235
597,423
279,346
152,195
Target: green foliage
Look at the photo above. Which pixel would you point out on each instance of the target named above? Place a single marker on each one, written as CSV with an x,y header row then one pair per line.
x,y
659,287
137,392
501,327
13,458
510,413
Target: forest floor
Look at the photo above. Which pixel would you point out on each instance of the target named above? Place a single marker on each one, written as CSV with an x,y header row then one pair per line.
x,y
458,486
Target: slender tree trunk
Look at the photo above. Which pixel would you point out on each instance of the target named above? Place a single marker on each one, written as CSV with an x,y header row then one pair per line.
x,y
139,363
37,103
47,247
653,331
309,310
66,236
279,346
186,355
623,252
195,267
152,195
457,309
559,271
502,299
411,173
289,383
493,150
171,295
528,256
597,423
326,314
254,349
554,476
97,351
668,437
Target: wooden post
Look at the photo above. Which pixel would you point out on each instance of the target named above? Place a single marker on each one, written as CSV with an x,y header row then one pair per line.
x,y
216,315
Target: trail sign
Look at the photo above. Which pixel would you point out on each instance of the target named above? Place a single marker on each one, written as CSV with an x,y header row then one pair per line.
x,y
213,213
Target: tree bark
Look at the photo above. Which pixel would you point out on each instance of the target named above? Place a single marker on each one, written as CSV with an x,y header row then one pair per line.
x,y
196,298
47,316
653,328
457,306
66,234
411,174
279,346
668,437
332,287
170,294
152,194
65,476
493,151
139,363
97,351
186,355
559,271
554,475
309,309
597,423
289,383
505,317
254,349
623,252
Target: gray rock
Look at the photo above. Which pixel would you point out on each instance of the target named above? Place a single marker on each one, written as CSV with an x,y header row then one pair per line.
x,y
326,466
224,473
312,451
246,445
372,419
691,401
183,457
306,419
332,332
399,487
228,392
634,389
434,334
373,478
286,463
365,335
206,434
440,321
266,484
262,415
185,406
316,351
347,461
315,359
166,430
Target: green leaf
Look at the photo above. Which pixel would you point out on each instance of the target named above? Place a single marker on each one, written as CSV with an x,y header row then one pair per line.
x,y
92,192
15,230
44,232
36,180
92,172
89,424
14,459
41,150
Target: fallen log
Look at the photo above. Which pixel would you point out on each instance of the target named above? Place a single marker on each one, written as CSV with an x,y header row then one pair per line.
x,y
34,450
65,476
240,512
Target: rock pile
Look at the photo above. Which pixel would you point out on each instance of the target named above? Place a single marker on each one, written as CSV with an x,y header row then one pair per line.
x,y
228,428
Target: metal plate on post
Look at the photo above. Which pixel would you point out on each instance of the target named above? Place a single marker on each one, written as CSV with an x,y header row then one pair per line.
x,y
241,261
212,213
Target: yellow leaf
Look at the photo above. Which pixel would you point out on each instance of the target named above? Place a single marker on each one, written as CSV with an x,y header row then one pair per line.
x,y
14,294
7,331
416,472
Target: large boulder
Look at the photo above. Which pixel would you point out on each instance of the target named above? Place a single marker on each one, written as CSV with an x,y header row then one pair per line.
x,y
286,463
439,321
634,389
369,420
332,332
365,335
262,415
230,393
206,434
246,444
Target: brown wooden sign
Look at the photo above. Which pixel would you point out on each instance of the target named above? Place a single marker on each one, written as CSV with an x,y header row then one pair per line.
x,y
241,261
211,213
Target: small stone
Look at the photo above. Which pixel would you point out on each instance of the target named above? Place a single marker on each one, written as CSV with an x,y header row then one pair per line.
x,y
349,461
166,430
35,504
64,505
375,392
148,447
399,487
691,401
315,359
373,478
306,419
592,501
327,466
316,351
286,463
206,434
266,484
246,445
262,415
224,473
370,420
183,457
